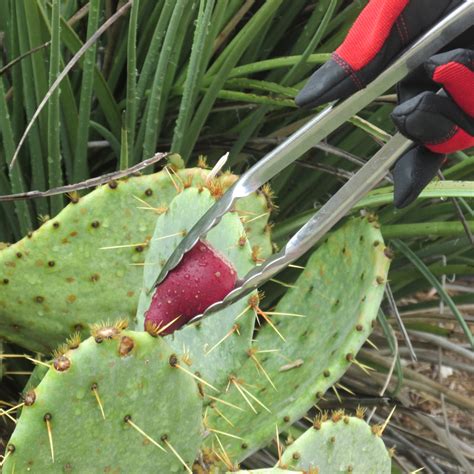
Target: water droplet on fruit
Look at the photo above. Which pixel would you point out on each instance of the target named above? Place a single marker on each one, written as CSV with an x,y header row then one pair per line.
x,y
218,274
187,276
169,301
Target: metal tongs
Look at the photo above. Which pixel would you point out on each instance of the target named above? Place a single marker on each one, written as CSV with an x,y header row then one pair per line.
x,y
302,140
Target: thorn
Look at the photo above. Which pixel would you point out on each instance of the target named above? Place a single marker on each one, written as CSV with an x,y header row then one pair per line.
x,y
227,461
7,414
17,372
337,394
168,444
382,429
275,313
97,397
282,283
225,402
266,350
24,356
166,326
141,244
149,207
172,179
168,236
217,167
235,328
225,434
128,419
242,313
14,408
296,266
343,387
147,204
186,357
223,416
47,419
224,461
260,367
158,210
417,470
243,395
269,321
362,366
178,177
245,221
252,396
199,379
9,450
279,451
372,344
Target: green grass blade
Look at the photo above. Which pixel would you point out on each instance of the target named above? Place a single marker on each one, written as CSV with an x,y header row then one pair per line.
x,y
39,79
153,54
17,185
26,104
54,137
424,270
132,100
437,189
156,93
81,171
194,73
270,65
102,91
235,50
425,229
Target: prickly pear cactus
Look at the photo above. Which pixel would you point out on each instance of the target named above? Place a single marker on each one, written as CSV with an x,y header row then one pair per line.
x,y
340,444
315,333
92,410
218,344
59,279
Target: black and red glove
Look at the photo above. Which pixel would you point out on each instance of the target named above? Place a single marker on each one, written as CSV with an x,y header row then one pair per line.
x,y
439,124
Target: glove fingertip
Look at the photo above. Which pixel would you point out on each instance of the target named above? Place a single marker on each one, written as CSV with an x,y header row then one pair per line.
x,y
412,173
330,82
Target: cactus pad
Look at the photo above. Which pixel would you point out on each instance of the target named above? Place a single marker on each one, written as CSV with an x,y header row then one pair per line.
x,y
212,359
50,280
346,445
337,297
82,411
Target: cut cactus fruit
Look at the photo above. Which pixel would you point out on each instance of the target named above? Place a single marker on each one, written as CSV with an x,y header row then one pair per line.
x,y
202,278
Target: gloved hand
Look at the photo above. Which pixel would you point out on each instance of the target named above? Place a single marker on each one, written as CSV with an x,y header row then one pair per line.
x,y
439,124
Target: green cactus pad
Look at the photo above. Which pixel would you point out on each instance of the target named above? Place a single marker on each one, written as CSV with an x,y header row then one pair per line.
x,y
348,445
212,359
58,280
339,294
130,372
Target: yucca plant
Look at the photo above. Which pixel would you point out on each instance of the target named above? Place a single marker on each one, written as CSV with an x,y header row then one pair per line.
x,y
201,78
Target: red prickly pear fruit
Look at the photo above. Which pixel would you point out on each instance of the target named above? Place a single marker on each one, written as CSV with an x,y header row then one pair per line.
x,y
202,278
